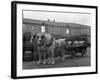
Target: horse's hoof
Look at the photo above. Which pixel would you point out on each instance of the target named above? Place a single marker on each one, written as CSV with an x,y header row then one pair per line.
x,y
49,62
52,63
63,60
39,62
44,62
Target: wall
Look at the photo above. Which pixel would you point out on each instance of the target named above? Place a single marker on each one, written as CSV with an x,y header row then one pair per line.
x,y
57,30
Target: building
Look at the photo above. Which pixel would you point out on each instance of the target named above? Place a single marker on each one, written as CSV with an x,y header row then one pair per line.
x,y
58,29
55,28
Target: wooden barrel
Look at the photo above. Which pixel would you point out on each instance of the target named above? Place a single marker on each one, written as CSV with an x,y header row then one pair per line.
x,y
27,51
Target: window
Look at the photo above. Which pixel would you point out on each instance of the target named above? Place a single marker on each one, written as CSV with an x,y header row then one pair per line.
x,y
32,27
67,31
42,28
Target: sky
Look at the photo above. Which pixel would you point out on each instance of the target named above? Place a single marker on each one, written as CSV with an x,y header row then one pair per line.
x,y
69,17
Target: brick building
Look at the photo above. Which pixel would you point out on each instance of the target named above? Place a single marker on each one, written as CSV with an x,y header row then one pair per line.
x,y
56,28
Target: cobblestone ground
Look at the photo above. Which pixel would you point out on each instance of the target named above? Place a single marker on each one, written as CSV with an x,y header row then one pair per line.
x,y
78,61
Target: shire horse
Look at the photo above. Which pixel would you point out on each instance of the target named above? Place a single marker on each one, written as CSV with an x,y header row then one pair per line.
x,y
47,45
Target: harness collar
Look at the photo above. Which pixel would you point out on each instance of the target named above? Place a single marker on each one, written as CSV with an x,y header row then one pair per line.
x,y
48,45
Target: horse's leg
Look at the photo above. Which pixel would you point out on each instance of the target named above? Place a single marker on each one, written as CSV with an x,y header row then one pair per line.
x,y
40,60
44,57
52,56
63,54
49,57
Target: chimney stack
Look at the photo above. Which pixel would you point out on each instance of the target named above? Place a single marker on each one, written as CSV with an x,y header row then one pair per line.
x,y
49,20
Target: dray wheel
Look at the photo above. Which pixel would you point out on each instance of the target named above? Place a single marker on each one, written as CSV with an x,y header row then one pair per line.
x,y
83,52
73,54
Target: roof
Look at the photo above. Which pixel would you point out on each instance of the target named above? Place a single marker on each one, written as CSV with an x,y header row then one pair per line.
x,y
53,23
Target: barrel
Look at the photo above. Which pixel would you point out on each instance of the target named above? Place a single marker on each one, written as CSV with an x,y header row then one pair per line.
x,y
27,51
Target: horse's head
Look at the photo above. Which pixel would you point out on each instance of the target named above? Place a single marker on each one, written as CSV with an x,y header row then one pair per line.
x,y
33,36
40,39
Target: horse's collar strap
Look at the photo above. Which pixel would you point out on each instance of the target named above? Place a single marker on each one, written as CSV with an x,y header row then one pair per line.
x,y
48,45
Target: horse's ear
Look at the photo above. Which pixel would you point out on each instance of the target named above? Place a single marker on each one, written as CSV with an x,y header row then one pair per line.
x,y
35,32
65,39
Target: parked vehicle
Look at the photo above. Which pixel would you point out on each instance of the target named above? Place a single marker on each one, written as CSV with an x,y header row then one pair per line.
x,y
76,44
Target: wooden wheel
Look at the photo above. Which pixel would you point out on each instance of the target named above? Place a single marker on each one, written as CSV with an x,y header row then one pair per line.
x,y
83,52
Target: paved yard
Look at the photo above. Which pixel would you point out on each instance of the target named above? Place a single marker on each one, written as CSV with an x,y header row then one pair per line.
x,y
76,62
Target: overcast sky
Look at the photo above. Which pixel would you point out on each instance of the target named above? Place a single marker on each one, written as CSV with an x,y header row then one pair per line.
x,y
84,19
